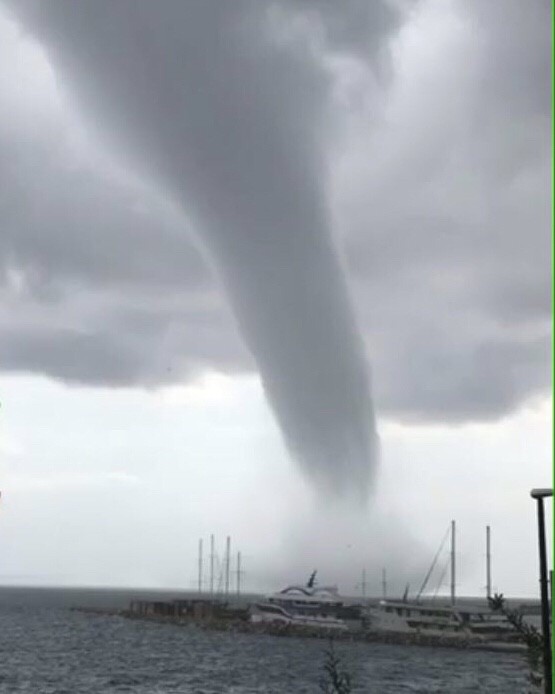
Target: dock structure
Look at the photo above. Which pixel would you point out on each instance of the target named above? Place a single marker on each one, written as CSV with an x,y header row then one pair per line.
x,y
196,609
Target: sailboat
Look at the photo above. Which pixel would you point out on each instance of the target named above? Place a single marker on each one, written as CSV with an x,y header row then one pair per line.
x,y
407,616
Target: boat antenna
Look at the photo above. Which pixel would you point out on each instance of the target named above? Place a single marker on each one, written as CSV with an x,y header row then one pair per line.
x,y
239,573
311,580
362,585
427,578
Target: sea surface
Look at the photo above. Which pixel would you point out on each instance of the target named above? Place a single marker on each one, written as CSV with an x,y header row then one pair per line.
x,y
46,648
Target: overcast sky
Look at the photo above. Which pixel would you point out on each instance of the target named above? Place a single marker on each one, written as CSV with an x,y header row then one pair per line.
x,y
239,241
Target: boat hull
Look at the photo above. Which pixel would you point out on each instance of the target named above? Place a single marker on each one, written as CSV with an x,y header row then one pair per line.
x,y
260,615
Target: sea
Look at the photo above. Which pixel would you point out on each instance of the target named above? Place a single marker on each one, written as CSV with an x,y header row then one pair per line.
x,y
48,648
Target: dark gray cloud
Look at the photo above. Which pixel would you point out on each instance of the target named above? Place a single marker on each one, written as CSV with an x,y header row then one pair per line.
x,y
440,196
99,282
446,215
204,100
86,227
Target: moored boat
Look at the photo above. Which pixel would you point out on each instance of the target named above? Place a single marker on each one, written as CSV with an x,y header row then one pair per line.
x,y
469,624
307,605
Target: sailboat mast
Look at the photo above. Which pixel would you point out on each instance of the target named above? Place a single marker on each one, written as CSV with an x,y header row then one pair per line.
x,y
227,558
488,562
200,565
453,599
211,564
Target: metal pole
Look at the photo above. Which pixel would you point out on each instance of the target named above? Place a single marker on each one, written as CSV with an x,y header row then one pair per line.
x,y
453,563
238,574
384,585
211,564
227,550
200,566
548,676
488,562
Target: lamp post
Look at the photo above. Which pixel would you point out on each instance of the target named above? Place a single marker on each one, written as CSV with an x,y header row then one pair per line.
x,y
539,495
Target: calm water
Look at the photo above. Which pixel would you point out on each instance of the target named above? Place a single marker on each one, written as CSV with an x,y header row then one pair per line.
x,y
47,649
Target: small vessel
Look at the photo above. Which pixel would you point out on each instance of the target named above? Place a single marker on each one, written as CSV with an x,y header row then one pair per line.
x,y
307,605
430,619
468,622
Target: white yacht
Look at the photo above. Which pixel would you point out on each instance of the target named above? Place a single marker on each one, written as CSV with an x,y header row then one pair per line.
x,y
469,622
435,620
302,605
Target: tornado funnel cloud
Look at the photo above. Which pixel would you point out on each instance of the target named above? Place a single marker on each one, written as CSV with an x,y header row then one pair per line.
x,y
202,99
292,304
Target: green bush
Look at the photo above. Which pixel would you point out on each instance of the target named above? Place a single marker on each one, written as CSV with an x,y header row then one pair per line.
x,y
528,633
336,680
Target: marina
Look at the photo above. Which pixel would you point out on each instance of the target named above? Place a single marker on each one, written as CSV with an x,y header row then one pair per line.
x,y
321,612
210,616
312,609
317,610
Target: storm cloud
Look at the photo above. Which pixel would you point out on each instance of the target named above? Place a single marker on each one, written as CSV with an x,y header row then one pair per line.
x,y
413,137
202,98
